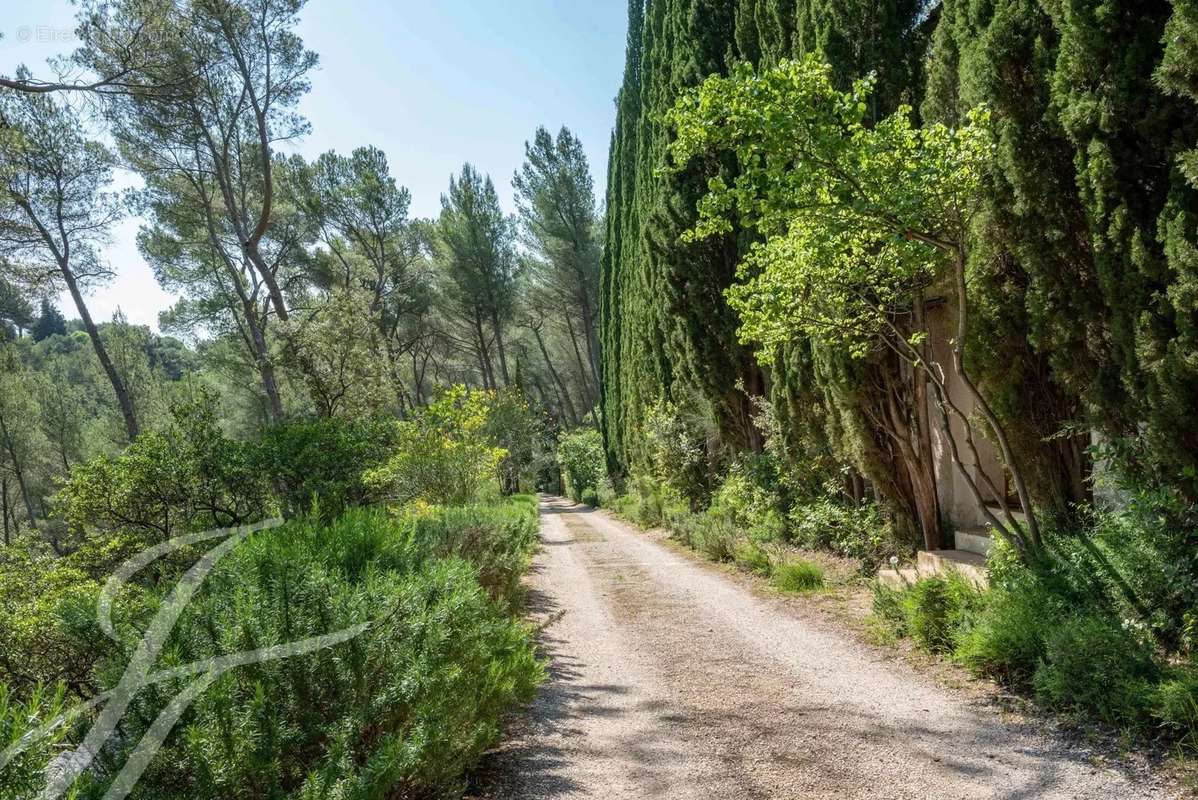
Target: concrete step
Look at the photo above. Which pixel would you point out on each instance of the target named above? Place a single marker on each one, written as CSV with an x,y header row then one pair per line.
x,y
940,562
974,540
898,578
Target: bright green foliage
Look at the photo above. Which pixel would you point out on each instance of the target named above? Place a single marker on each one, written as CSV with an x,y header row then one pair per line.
x,y
798,575
1094,665
25,776
856,217
442,455
858,532
935,610
403,710
1008,638
317,465
751,556
1175,705
188,477
580,455
48,629
751,495
521,430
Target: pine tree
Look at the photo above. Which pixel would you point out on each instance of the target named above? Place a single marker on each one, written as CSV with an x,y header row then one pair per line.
x,y
50,322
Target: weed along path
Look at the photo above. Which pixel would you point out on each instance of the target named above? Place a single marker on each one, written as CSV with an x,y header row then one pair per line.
x,y
670,679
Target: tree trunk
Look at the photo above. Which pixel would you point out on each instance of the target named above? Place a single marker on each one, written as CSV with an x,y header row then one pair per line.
x,y
507,381
4,509
1000,434
18,472
926,499
484,353
588,395
93,333
568,406
266,370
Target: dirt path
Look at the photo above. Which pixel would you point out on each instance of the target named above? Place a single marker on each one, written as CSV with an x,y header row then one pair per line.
x,y
669,679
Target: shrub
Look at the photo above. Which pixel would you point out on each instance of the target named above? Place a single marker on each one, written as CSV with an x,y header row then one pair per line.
x,y
590,497
1007,639
1175,704
888,607
48,629
676,448
583,463
1093,665
187,477
318,464
649,504
713,535
935,610
856,532
24,776
443,455
750,494
798,576
402,710
750,556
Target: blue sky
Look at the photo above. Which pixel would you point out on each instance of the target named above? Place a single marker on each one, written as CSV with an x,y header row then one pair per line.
x,y
432,83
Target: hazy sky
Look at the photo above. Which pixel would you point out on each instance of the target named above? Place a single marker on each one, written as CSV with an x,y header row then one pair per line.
x,y
431,83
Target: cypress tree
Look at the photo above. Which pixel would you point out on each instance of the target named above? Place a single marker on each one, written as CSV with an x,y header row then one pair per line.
x,y
1088,253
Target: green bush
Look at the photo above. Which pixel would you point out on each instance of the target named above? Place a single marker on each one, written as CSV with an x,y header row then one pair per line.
x,y
48,629
856,532
584,466
936,610
1093,665
649,504
888,607
590,497
318,464
750,494
750,556
402,710
444,454
24,776
714,535
798,576
675,444
1175,704
187,477
1008,638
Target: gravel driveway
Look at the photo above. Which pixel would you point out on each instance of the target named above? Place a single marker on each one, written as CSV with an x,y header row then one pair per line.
x,y
671,679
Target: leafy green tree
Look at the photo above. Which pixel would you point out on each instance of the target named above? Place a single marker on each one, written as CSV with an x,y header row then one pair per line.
x,y
236,71
858,224
371,245
186,477
50,322
443,454
559,219
580,456
476,245
57,209
16,314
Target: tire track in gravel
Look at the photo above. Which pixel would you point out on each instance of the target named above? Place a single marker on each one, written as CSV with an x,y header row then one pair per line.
x,y
670,680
